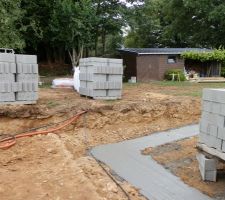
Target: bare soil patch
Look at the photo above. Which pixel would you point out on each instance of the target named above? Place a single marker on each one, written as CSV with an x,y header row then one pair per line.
x,y
58,166
180,158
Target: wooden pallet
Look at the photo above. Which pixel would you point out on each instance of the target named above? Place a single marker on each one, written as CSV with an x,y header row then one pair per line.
x,y
211,151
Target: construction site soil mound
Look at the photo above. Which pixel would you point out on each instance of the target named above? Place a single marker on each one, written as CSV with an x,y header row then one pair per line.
x,y
57,166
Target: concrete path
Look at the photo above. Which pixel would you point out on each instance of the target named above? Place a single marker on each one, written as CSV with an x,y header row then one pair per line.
x,y
154,181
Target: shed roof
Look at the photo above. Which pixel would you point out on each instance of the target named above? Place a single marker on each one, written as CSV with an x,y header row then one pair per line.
x,y
161,51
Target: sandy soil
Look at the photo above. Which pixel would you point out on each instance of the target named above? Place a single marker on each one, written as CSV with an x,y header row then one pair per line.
x,y
180,158
58,166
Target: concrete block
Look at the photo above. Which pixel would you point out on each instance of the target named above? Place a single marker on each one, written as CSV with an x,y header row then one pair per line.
x,y
16,87
213,130
5,87
204,126
6,68
214,95
7,96
26,59
210,141
106,85
113,77
83,84
203,137
221,133
27,78
100,60
210,176
35,87
207,167
114,93
83,69
215,119
92,77
7,78
83,91
108,70
222,109
206,106
207,163
7,57
216,108
26,96
27,68
98,93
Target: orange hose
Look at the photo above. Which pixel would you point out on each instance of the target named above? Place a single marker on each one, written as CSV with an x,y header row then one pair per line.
x,y
10,141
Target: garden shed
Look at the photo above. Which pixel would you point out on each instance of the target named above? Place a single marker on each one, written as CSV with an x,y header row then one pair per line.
x,y
151,63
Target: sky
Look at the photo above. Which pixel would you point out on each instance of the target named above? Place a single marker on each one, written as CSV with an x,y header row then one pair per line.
x,y
129,4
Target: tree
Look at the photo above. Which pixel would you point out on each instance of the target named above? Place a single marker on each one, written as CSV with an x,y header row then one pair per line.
x,y
109,21
145,25
177,23
71,26
10,25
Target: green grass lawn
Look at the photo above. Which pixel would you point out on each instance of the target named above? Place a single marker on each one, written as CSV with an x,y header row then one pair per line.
x,y
175,88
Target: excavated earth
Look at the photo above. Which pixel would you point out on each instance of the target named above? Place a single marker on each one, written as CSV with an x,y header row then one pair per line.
x,y
180,159
58,166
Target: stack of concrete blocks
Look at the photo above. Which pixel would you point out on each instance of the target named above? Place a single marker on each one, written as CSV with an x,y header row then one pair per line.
x,y
7,77
18,78
208,167
212,124
27,77
101,78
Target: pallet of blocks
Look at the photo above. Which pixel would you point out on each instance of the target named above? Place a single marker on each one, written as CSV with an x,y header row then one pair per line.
x,y
18,78
212,132
101,78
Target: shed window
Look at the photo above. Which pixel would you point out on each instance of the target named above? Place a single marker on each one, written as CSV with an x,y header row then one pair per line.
x,y
172,59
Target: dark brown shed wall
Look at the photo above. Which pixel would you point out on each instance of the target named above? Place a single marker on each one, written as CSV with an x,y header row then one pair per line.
x,y
147,67
129,60
164,65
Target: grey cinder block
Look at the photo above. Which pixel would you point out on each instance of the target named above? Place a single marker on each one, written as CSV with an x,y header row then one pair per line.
x,y
223,146
26,96
7,96
101,78
7,57
26,59
7,78
100,60
212,118
214,95
206,106
221,133
27,78
207,167
210,141
204,126
18,78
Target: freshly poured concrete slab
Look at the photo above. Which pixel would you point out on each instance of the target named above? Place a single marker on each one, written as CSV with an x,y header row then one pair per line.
x,y
154,181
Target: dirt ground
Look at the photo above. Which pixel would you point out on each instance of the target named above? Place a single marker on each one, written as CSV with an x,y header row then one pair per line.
x,y
180,158
57,166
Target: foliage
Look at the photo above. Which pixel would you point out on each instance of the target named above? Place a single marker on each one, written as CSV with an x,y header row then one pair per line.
x,y
177,23
10,24
145,27
71,26
215,55
223,71
176,72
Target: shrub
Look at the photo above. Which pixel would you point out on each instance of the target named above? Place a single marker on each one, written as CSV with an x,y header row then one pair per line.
x,y
169,75
223,71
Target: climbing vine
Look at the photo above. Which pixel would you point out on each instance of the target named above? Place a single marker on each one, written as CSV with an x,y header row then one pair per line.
x,y
214,55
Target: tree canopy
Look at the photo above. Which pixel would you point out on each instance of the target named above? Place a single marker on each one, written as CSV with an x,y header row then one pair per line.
x,y
55,29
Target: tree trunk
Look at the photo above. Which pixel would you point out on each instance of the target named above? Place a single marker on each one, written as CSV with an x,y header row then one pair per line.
x,y
96,44
103,42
